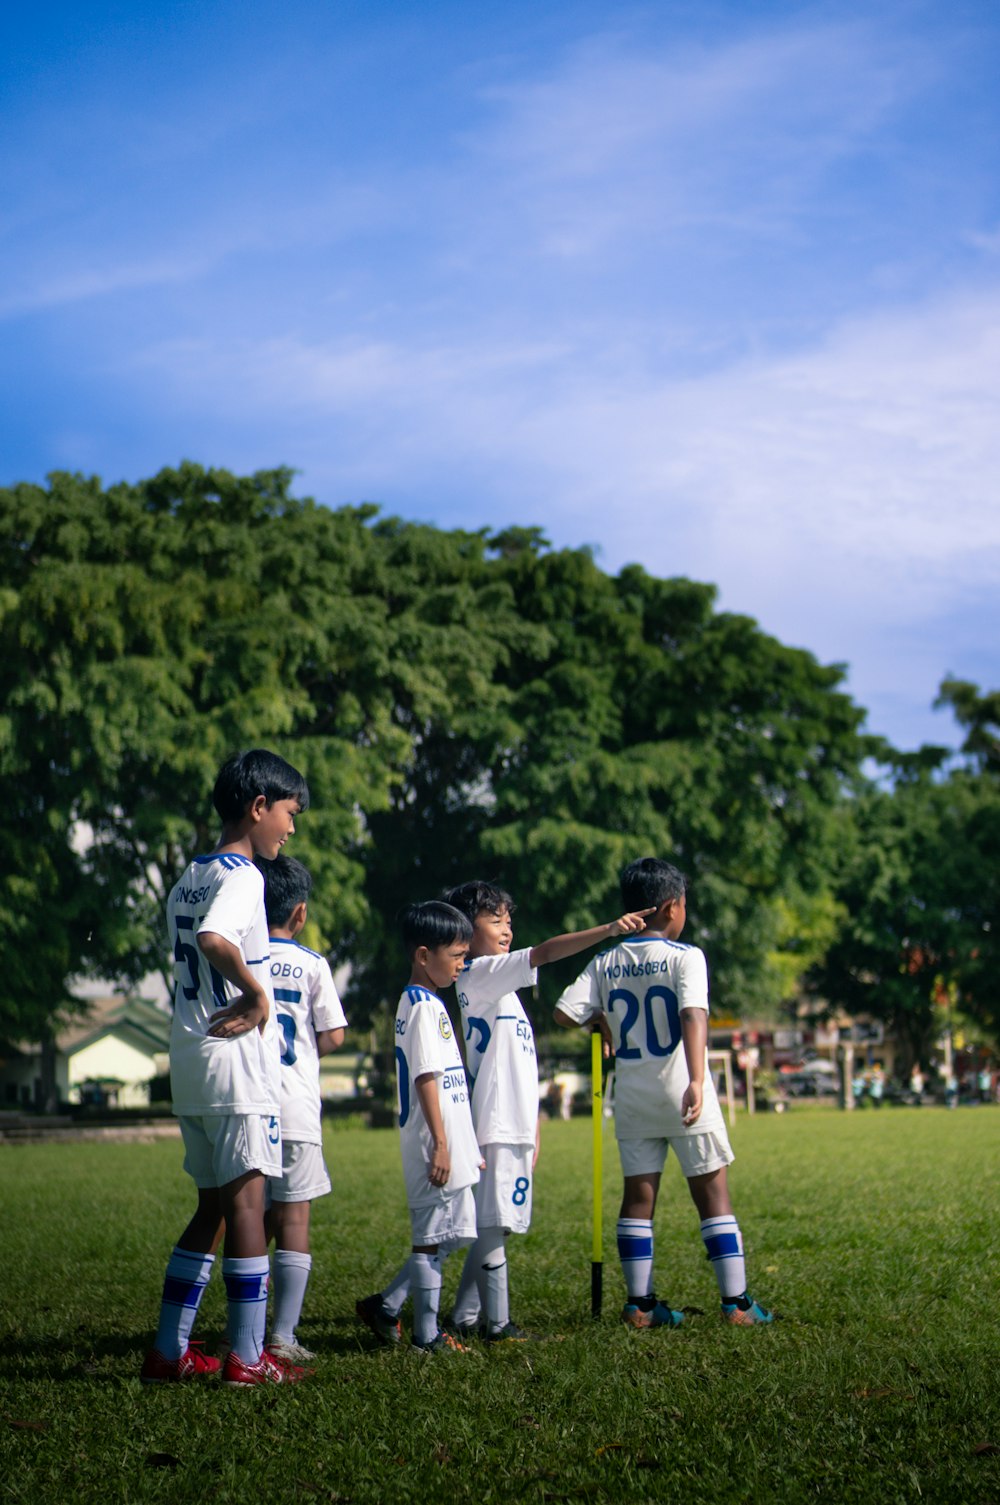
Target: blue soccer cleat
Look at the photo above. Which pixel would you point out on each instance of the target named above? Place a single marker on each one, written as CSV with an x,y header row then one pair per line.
x,y
659,1315
750,1316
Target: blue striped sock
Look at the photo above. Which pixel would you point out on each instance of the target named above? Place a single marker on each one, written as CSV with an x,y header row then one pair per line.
x,y
188,1273
246,1288
724,1247
635,1250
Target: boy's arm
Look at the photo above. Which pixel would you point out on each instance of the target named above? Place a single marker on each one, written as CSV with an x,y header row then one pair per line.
x,y
328,1040
694,1033
578,940
597,1024
248,1011
439,1167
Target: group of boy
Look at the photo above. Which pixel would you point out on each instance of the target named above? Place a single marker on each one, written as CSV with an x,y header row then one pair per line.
x,y
254,1010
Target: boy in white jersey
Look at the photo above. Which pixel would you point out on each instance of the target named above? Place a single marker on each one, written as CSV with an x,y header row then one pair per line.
x,y
311,1024
503,1075
224,1073
650,996
441,1160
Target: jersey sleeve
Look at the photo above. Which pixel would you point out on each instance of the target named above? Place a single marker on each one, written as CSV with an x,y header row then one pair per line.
x,y
692,981
582,999
424,1047
489,978
326,1009
235,905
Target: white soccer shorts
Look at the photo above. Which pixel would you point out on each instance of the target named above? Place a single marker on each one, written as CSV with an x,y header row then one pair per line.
x,y
221,1147
448,1222
697,1154
503,1195
304,1173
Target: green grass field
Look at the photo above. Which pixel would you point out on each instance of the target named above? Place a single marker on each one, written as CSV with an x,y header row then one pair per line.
x,y
875,1235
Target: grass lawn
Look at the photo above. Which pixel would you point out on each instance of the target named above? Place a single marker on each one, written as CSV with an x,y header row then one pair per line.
x,y
876,1235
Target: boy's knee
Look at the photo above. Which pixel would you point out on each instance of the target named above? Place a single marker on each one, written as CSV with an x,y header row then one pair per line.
x,y
639,1196
710,1193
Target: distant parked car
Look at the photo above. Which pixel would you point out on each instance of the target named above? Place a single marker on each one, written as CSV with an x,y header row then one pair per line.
x,y
809,1084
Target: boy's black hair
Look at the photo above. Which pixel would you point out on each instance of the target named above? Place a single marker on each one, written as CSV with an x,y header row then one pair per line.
x,y
287,883
478,898
433,924
649,882
247,774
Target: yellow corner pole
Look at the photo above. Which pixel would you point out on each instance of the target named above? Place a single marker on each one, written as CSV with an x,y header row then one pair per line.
x,y
597,1103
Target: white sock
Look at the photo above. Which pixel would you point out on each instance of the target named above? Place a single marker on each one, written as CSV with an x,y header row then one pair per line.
x,y
396,1292
246,1287
291,1276
724,1247
491,1255
187,1275
425,1283
465,1312
635,1250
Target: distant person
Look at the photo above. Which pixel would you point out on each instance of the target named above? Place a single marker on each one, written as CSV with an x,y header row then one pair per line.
x,y
311,1023
985,1084
553,1100
649,995
224,1073
876,1085
917,1083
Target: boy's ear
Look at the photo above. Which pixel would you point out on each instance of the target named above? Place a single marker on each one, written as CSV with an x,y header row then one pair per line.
x,y
257,806
300,913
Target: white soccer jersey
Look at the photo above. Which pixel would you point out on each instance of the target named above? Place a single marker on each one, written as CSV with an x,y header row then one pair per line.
x,y
642,984
223,893
425,1042
306,1002
500,1047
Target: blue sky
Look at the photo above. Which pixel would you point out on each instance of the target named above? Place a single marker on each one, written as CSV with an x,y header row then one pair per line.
x,y
711,285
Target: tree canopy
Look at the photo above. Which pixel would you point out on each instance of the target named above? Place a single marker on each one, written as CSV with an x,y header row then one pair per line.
x,y
918,880
462,704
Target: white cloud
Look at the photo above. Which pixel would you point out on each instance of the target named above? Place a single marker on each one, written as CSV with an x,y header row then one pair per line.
x,y
615,141
868,460
79,283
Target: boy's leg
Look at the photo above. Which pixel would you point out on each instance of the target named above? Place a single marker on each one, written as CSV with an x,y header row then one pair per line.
x,y
635,1234
172,1356
395,1294
503,1197
381,1310
425,1284
724,1247
292,1264
245,1265
468,1305
189,1269
642,1165
720,1232
483,1286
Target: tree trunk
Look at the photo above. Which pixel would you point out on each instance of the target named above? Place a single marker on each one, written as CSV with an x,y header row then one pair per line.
x,y
48,1093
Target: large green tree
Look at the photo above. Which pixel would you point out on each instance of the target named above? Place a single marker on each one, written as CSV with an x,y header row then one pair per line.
x,y
147,631
918,878
625,716
461,703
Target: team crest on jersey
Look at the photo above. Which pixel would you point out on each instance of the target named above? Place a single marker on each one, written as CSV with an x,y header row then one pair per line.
x,y
444,1026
